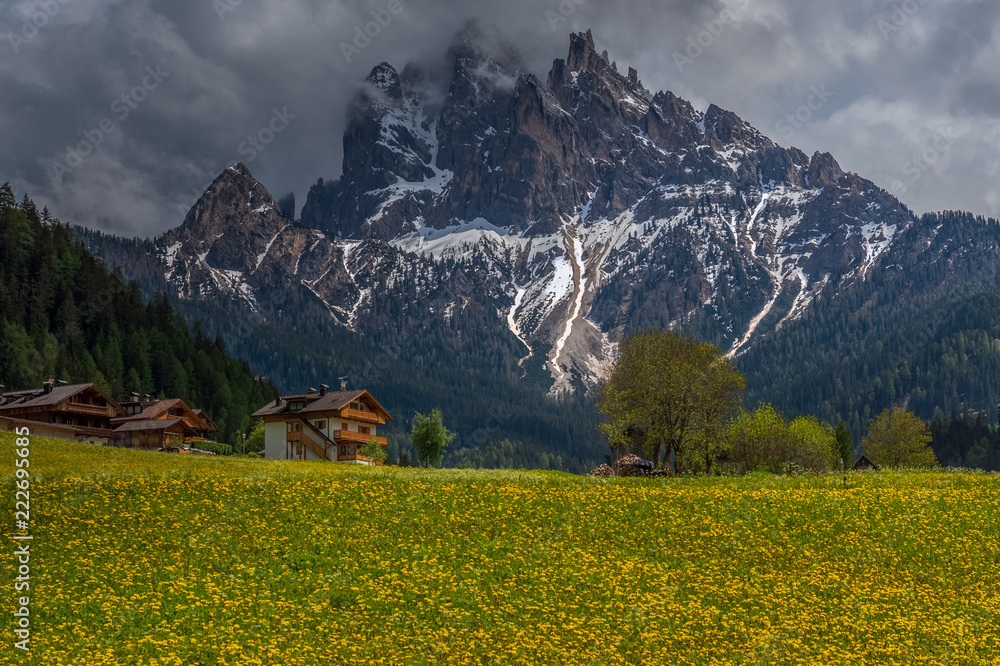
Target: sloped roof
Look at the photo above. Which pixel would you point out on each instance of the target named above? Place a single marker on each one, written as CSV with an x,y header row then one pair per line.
x,y
153,410
331,402
149,424
39,398
150,410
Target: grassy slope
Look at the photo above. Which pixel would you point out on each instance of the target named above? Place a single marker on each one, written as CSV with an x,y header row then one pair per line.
x,y
152,558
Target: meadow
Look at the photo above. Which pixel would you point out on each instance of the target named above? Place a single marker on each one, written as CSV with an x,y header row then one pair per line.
x,y
143,558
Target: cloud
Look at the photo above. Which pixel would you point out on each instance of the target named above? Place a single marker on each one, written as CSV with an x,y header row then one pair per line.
x,y
896,79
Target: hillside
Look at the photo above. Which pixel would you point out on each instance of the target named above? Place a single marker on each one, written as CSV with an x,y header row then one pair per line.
x,y
64,315
922,331
182,559
494,234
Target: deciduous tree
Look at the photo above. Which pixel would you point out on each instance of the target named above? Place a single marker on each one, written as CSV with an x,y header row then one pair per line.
x,y
430,437
897,438
667,390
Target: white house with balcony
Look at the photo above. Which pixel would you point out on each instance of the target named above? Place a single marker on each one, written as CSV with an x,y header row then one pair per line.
x,y
321,425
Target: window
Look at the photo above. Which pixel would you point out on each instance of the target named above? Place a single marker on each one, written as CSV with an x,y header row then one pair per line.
x,y
321,425
343,450
363,430
296,406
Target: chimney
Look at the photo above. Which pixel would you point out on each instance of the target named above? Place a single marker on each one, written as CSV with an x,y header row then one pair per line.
x,y
277,401
48,386
343,383
311,390
323,388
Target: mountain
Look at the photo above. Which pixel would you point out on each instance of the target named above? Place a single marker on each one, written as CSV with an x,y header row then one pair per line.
x,y
496,236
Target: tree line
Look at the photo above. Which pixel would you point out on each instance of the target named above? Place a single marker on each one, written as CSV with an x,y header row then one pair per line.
x,y
678,401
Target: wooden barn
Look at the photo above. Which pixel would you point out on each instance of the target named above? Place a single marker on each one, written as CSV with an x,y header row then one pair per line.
x,y
865,465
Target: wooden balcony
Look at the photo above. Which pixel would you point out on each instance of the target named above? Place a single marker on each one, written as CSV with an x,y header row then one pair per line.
x,y
358,415
360,438
80,408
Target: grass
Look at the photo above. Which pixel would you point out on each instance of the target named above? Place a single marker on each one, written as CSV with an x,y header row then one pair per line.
x,y
143,558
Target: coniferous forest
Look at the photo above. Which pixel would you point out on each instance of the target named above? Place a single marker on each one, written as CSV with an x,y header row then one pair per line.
x,y
64,315
922,331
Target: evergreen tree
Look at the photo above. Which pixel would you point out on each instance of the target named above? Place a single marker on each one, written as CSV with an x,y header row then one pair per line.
x,y
845,444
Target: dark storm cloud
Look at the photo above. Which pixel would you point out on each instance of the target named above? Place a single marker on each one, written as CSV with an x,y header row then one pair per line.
x,y
168,93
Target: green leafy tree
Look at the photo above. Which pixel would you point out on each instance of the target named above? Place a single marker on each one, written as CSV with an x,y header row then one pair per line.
x,y
897,438
763,440
845,443
256,439
669,393
718,395
813,445
373,451
758,440
430,438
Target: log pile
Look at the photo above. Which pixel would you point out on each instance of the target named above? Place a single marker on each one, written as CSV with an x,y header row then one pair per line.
x,y
633,465
603,471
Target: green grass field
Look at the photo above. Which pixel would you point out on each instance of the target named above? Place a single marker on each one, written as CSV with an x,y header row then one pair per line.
x,y
143,558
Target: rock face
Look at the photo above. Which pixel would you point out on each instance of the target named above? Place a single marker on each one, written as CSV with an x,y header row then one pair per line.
x,y
575,209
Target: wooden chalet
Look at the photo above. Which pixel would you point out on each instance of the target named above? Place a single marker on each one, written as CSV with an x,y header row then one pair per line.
x,y
321,425
161,424
80,412
84,413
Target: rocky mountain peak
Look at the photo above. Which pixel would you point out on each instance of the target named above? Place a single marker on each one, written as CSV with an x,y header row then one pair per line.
x,y
724,128
583,55
234,195
385,79
824,170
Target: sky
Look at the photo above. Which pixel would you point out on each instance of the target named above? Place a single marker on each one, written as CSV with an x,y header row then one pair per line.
x,y
118,114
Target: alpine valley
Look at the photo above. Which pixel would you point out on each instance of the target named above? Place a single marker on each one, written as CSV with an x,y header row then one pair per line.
x,y
493,236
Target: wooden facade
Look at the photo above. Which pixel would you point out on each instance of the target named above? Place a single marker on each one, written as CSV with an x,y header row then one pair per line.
x,y
71,411
171,423
323,426
82,412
